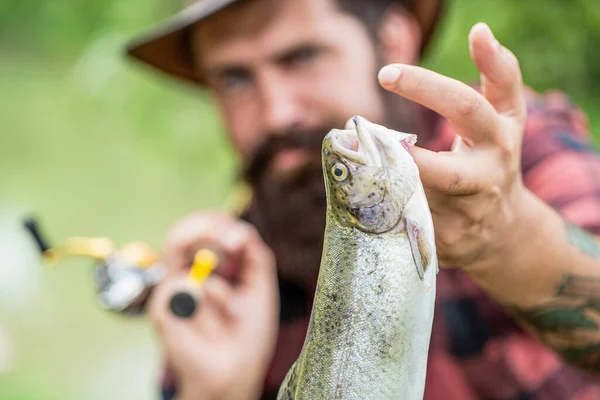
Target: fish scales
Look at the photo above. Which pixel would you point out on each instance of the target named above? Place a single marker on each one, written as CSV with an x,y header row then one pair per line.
x,y
370,326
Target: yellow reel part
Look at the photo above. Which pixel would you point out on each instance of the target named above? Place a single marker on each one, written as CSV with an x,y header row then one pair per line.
x,y
97,248
205,262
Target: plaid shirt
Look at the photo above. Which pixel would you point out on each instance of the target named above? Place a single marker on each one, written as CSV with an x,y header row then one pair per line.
x,y
476,350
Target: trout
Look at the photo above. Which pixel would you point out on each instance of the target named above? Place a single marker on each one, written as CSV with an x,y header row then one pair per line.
x,y
370,325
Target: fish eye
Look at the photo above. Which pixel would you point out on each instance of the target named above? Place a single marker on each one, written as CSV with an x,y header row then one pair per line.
x,y
339,172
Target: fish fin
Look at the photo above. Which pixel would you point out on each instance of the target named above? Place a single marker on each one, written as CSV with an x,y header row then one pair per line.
x,y
420,247
287,390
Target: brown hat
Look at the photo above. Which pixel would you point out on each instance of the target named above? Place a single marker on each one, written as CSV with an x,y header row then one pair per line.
x,y
168,49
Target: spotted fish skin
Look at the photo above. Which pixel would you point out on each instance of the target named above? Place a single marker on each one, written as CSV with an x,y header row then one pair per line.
x,y
370,326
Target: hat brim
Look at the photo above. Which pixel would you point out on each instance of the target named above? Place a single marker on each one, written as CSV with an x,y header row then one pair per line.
x,y
167,48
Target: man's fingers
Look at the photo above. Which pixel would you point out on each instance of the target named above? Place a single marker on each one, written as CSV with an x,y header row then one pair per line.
x,y
204,228
466,109
255,263
438,172
219,295
451,174
258,262
500,72
214,300
256,286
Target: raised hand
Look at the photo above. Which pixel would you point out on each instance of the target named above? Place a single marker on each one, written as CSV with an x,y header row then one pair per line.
x,y
474,190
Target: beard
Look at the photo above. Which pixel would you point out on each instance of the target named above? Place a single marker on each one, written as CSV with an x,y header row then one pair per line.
x,y
289,210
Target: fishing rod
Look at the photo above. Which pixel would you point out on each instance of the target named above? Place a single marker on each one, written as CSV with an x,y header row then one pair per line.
x,y
125,276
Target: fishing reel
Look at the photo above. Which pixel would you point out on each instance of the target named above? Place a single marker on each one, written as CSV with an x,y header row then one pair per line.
x,y
125,276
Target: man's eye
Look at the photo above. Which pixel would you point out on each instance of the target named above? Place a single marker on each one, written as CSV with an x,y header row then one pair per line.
x,y
303,56
235,80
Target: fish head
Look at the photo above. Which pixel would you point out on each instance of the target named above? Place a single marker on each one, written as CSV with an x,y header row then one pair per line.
x,y
369,175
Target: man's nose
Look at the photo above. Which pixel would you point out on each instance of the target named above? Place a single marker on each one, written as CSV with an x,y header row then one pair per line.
x,y
281,108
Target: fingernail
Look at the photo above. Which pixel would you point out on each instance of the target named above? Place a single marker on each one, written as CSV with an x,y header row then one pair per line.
x,y
389,74
490,34
487,32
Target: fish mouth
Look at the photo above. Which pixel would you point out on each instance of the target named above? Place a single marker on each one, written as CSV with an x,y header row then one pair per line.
x,y
357,145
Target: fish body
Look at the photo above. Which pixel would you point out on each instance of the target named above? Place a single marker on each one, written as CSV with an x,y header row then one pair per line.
x,y
370,326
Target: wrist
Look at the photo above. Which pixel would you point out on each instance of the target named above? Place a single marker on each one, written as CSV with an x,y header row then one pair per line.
x,y
532,260
246,384
517,245
194,392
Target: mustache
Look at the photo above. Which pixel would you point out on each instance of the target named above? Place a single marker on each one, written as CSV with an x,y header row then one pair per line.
x,y
307,139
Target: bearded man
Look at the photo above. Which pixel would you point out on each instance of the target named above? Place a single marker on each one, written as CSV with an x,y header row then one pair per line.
x,y
510,178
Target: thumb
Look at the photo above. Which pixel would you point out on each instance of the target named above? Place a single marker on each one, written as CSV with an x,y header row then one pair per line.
x,y
451,173
257,291
258,272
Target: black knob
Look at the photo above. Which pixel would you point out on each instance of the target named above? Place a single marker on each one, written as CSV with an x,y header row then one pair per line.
x,y
183,305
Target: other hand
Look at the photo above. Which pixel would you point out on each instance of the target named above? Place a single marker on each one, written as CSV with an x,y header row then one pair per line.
x,y
224,349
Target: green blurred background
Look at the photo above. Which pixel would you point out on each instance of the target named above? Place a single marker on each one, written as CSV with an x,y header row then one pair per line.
x,y
96,146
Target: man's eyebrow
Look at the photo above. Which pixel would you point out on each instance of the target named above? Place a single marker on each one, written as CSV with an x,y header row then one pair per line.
x,y
220,69
292,51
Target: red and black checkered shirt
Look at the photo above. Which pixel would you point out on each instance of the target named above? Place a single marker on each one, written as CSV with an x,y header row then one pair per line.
x,y
477,351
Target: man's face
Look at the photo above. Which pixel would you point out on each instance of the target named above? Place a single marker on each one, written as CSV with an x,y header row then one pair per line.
x,y
281,66
284,73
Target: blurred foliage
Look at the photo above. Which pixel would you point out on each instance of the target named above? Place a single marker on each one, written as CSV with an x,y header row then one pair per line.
x,y
97,146
556,42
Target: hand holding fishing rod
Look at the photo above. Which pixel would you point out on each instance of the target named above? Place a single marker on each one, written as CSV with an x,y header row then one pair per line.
x,y
235,328
214,319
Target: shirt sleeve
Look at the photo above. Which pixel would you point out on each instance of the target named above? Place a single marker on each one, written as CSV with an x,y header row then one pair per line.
x,y
560,161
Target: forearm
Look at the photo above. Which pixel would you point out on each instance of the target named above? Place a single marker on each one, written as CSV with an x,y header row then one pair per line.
x,y
548,278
